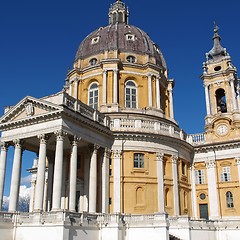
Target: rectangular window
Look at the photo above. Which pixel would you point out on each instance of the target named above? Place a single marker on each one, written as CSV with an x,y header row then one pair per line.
x,y
199,176
225,175
138,160
183,168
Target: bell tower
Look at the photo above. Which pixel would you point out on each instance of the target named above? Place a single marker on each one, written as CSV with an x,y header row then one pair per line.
x,y
220,80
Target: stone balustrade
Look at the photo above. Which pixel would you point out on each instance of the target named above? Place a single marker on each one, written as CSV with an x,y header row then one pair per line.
x,y
146,126
84,109
196,139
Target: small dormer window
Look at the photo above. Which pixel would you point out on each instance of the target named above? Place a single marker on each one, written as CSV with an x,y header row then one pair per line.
x,y
131,59
93,61
130,37
95,40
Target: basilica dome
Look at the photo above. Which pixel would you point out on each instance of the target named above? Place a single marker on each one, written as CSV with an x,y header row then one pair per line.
x,y
120,36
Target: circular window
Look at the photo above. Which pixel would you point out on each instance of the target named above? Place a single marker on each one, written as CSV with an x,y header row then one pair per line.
x,y
217,68
93,61
131,59
202,196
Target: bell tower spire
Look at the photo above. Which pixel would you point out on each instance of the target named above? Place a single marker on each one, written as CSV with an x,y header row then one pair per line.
x,y
118,13
221,92
217,51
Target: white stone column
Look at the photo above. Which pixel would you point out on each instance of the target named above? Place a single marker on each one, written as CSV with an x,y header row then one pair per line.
x,y
160,177
104,87
86,183
45,200
212,189
64,198
237,159
81,199
3,158
238,96
175,184
158,95
76,81
58,172
49,184
115,86
149,90
70,88
73,175
194,195
93,181
170,94
207,99
105,181
16,176
39,194
117,181
234,101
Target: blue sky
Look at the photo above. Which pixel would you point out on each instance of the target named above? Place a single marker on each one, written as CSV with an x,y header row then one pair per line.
x,y
39,40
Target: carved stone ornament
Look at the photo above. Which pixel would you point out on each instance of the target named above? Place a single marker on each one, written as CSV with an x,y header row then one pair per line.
x,y
60,135
210,164
237,159
174,159
4,146
117,153
43,138
107,152
160,156
29,109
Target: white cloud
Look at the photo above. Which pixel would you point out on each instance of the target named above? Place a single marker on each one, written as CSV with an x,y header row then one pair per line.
x,y
26,180
24,191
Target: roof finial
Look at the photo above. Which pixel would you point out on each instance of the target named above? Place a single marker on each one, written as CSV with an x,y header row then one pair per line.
x,y
216,28
217,51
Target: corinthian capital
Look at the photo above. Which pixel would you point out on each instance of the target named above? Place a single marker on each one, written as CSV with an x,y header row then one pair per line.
x,y
174,159
237,159
117,153
4,146
160,156
210,163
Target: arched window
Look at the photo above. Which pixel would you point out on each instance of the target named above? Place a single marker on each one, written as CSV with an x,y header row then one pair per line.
x,y
93,95
229,199
130,95
93,61
221,100
120,17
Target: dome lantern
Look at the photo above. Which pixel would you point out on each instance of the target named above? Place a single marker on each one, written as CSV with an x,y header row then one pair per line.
x,y
118,13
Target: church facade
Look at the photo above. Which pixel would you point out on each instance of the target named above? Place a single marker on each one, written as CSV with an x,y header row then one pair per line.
x,y
112,161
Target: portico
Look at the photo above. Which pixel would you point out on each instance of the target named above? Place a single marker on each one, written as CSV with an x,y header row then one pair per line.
x,y
64,138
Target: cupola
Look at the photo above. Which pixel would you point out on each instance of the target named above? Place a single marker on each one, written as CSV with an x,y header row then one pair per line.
x,y
118,13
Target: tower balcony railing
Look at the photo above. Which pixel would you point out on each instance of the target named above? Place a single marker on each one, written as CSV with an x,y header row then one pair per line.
x,y
196,139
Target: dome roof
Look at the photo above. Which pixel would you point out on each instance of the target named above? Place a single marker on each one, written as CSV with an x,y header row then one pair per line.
x,y
122,37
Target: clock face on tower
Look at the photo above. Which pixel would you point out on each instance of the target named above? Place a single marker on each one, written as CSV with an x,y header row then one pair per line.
x,y
222,129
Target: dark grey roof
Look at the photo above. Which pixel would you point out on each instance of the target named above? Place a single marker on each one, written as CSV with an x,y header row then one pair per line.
x,y
217,51
113,37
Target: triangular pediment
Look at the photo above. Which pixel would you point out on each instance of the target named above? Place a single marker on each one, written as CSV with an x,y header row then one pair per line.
x,y
29,108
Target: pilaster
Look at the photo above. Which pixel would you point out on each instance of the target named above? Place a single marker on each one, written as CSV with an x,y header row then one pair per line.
x,y
212,189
